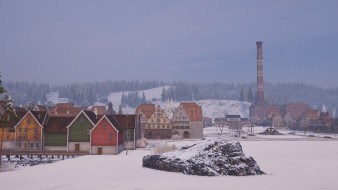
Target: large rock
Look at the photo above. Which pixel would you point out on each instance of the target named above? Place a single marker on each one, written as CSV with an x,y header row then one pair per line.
x,y
207,158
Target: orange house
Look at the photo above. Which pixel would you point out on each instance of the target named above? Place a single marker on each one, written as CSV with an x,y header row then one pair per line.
x,y
29,131
7,133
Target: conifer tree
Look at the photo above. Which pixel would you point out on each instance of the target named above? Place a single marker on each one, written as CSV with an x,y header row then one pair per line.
x,y
241,95
250,97
7,115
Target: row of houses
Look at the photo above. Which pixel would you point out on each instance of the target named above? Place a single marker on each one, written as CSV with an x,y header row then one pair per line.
x,y
72,129
293,115
186,121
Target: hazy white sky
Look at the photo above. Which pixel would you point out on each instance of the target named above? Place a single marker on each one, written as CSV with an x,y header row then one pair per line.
x,y
199,41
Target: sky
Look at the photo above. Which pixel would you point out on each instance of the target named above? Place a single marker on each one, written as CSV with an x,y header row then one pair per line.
x,y
69,41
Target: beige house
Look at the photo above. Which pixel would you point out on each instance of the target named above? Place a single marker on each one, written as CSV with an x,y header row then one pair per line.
x,y
289,122
187,121
277,120
158,126
145,111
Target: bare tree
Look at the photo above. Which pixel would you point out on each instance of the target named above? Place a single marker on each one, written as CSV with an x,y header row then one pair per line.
x,y
220,126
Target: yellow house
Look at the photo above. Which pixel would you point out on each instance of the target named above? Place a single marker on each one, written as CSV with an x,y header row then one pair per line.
x,y
7,133
29,131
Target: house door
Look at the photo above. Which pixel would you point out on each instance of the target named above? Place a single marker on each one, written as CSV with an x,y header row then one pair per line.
x,y
77,147
99,151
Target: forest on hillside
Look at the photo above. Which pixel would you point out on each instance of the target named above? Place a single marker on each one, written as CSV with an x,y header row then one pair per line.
x,y
84,94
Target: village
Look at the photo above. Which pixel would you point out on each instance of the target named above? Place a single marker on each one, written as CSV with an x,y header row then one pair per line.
x,y
68,128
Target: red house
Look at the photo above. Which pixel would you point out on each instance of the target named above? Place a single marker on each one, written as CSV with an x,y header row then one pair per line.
x,y
106,136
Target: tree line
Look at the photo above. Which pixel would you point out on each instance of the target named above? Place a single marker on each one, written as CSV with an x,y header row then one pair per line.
x,y
85,94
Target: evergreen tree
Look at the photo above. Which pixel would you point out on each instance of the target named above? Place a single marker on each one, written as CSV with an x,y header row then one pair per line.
x,y
120,110
163,95
241,95
7,115
143,100
250,97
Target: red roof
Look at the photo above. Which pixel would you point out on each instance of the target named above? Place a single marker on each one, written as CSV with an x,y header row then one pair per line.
x,y
99,110
193,111
146,109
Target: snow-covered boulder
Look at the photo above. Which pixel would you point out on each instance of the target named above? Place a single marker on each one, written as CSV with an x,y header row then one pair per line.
x,y
207,158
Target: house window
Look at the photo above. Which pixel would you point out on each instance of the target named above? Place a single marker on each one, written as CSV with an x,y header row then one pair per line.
x,y
20,129
29,121
81,120
31,145
19,144
25,129
8,136
104,125
35,137
158,120
19,137
37,145
110,136
24,137
36,130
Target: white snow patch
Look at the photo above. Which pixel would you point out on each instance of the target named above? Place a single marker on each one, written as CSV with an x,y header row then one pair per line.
x,y
55,99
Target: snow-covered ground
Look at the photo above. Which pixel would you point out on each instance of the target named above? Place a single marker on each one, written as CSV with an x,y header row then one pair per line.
x,y
288,135
289,165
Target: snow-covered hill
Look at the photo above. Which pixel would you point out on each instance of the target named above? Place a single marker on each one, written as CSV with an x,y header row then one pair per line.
x,y
211,108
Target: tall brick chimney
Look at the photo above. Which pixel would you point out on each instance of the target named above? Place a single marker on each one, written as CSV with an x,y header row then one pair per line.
x,y
260,82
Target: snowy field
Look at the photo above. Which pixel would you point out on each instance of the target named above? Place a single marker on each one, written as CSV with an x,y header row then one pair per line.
x,y
289,165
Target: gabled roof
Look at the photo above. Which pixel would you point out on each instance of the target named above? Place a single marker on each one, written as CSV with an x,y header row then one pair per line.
x,y
112,121
99,110
193,111
40,116
58,124
92,116
146,109
126,121
40,121
89,115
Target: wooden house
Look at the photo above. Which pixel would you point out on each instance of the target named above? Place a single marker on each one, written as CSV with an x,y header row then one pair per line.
x,y
56,133
8,132
107,136
29,131
131,129
78,131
